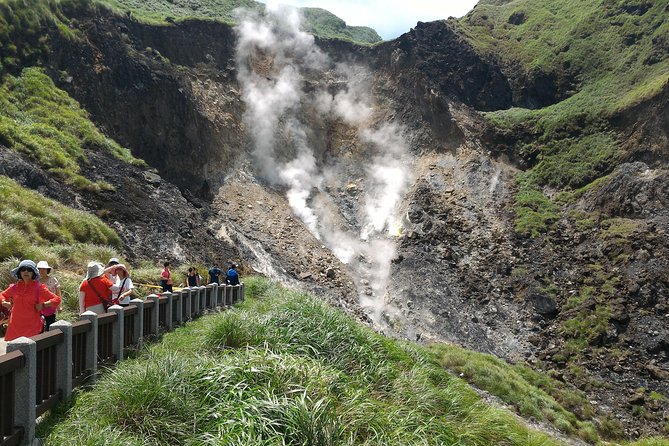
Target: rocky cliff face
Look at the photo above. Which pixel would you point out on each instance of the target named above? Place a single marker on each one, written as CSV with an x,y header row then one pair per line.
x,y
460,272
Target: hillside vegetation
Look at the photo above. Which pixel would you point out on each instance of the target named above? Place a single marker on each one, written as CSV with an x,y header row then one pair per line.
x,y
600,57
46,124
317,21
283,368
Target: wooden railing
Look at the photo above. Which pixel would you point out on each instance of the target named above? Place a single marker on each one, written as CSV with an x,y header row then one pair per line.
x,y
47,395
80,334
129,315
105,335
9,365
39,372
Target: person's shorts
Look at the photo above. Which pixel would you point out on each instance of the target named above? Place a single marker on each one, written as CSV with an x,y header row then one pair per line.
x,y
97,309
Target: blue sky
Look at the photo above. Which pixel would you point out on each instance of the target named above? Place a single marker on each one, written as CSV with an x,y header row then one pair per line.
x,y
390,18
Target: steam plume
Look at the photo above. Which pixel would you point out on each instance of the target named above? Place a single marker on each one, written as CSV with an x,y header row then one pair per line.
x,y
273,60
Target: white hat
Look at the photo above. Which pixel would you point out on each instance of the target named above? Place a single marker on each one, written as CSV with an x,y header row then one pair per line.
x,y
113,261
94,269
43,264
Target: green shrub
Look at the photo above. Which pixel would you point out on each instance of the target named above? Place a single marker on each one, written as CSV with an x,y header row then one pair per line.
x,y
575,162
535,213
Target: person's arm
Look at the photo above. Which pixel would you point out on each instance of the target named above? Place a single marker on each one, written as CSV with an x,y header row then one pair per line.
x,y
5,299
47,299
82,295
58,292
110,286
109,269
130,290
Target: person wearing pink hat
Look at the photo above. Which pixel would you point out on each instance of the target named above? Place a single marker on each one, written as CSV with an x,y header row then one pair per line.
x,y
123,288
52,284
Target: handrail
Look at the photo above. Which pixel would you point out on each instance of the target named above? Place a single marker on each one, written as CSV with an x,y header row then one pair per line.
x,y
48,339
130,310
80,329
11,361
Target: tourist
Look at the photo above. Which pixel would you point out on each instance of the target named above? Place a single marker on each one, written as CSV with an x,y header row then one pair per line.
x,y
111,275
166,278
123,288
193,278
95,290
215,274
26,299
52,284
231,277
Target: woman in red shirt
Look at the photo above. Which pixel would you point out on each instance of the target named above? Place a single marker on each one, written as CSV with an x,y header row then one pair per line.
x,y
96,289
26,299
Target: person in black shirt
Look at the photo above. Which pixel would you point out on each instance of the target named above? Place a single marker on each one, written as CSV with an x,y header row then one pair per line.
x,y
193,277
215,274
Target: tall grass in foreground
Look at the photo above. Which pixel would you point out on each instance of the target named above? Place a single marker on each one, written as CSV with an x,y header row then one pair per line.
x,y
282,368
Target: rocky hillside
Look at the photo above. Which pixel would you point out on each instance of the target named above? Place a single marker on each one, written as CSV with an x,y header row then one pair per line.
x,y
495,182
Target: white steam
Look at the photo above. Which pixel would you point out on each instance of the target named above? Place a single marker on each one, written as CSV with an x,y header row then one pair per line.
x,y
274,59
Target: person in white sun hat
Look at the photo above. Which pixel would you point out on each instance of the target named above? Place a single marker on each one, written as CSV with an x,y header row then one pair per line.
x,y
96,289
52,284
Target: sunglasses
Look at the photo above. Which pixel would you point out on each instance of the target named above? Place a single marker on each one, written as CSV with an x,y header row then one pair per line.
x,y
22,269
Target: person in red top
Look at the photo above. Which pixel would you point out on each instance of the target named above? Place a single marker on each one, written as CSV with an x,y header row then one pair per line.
x,y
95,290
26,299
166,278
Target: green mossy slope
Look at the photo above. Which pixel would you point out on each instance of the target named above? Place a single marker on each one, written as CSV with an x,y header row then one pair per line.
x,y
317,21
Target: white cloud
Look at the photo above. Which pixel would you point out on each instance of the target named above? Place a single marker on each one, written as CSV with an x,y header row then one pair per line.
x,y
390,18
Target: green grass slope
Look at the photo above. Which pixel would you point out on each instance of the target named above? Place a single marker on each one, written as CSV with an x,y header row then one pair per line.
x,y
283,368
613,54
618,51
325,24
317,21
28,219
37,228
43,122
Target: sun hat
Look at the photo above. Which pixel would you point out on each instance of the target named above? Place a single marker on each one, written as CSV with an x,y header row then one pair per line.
x,y
94,269
113,261
123,267
43,264
26,264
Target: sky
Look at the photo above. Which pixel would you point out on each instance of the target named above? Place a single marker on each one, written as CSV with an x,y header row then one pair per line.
x,y
390,18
